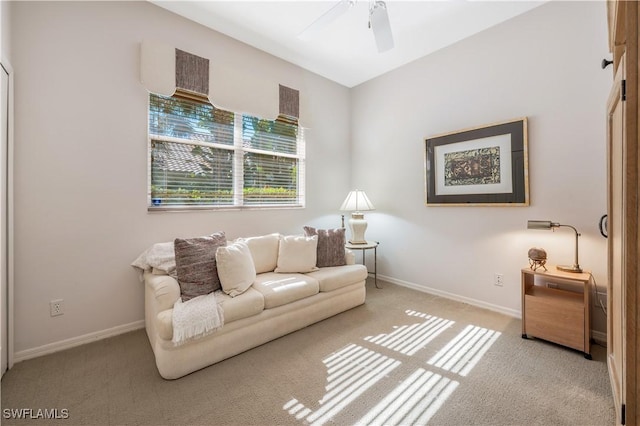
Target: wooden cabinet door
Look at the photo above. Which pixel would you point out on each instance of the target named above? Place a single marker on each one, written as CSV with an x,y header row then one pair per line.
x,y
615,300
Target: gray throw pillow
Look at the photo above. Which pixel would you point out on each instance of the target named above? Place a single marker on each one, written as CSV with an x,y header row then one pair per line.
x,y
330,246
196,264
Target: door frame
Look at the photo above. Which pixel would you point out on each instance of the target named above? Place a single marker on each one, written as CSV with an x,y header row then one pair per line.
x,y
4,62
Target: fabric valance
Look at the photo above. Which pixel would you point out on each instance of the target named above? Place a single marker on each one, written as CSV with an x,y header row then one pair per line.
x,y
164,69
192,72
241,90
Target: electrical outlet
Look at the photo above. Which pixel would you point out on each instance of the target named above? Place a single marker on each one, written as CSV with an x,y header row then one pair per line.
x,y
498,279
56,307
599,296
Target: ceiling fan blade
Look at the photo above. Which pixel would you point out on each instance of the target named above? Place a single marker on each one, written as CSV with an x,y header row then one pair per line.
x,y
381,28
326,18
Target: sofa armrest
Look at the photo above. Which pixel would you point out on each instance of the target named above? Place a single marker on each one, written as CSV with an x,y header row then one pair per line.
x,y
349,257
164,288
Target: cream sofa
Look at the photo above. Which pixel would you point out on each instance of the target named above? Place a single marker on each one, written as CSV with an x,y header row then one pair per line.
x,y
275,304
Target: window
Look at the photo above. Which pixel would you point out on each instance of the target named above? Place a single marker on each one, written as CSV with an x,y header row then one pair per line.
x,y
204,157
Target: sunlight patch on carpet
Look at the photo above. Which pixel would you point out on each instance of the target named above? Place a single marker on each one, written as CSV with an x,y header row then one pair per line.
x,y
414,401
464,351
418,394
409,339
353,370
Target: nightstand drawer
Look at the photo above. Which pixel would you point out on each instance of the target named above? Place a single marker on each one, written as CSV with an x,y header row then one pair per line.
x,y
556,319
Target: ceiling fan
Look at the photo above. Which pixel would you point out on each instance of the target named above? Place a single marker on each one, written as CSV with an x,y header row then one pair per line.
x,y
378,22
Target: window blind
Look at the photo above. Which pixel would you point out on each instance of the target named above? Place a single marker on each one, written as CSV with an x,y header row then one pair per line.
x,y
201,156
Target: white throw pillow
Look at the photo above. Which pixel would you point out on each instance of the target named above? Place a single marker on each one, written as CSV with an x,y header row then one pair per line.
x,y
235,268
264,250
297,253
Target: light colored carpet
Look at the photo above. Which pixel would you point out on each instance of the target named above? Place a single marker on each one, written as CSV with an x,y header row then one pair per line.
x,y
403,358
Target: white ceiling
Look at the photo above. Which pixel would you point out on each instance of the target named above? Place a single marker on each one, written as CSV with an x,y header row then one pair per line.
x,y
345,50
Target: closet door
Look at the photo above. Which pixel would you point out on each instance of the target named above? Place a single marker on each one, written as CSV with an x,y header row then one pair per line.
x,y
623,313
615,300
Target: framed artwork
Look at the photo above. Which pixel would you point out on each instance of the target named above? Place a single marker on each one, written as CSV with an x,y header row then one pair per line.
x,y
483,166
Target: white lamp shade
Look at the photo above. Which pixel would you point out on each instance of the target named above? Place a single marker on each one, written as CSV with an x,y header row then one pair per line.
x,y
357,201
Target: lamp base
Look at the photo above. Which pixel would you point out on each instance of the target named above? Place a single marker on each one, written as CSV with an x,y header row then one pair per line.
x,y
358,225
567,268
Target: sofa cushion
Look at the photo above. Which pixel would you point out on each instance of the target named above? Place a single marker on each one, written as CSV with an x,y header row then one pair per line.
x,y
249,303
279,289
264,250
330,251
196,264
235,268
297,253
332,278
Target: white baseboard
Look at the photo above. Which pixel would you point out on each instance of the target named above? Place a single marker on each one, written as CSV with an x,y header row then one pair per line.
x,y
510,312
121,329
598,336
76,341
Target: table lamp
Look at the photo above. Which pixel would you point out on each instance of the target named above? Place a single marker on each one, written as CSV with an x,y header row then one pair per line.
x,y
547,224
357,202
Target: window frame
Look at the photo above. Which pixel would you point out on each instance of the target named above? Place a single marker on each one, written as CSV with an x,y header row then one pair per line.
x,y
239,150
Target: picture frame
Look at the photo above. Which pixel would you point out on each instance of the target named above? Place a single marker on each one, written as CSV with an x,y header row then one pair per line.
x,y
480,166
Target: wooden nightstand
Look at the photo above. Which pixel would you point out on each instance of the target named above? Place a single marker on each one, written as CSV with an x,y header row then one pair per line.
x,y
557,315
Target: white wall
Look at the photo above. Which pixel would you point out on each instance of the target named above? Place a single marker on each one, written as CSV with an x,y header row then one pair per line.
x,y
81,161
543,65
5,30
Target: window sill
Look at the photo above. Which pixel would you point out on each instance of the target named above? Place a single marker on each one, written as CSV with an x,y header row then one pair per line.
x,y
177,208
